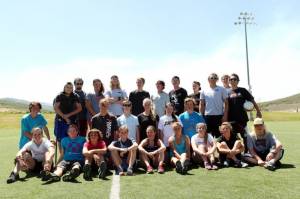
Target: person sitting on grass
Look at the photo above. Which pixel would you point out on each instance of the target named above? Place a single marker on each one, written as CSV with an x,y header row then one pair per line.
x,y
265,149
93,151
179,149
152,149
230,147
36,156
204,146
72,157
123,152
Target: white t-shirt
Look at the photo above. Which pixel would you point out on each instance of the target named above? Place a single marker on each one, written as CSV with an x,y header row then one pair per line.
x,y
131,122
115,108
159,102
214,100
200,141
165,125
38,151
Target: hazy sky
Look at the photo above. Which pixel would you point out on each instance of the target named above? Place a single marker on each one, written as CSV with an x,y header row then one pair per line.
x,y
44,44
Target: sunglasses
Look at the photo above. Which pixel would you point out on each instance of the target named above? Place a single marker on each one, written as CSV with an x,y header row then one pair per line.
x,y
127,105
233,79
213,78
79,83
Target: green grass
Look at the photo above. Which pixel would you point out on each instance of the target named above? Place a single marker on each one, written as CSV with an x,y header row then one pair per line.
x,y
254,182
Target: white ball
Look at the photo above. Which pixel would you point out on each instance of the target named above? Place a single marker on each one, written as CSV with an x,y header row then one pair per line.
x,y
248,106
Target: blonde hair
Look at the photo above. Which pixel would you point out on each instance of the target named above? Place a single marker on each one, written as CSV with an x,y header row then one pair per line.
x,y
227,124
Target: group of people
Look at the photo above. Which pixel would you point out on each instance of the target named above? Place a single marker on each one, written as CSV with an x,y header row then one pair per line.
x,y
109,130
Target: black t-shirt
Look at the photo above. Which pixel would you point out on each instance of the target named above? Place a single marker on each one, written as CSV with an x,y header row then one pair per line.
x,y
144,122
196,97
126,144
177,98
136,98
67,104
107,125
230,142
236,100
82,97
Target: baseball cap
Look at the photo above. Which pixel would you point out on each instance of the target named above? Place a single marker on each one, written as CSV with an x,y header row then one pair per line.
x,y
258,121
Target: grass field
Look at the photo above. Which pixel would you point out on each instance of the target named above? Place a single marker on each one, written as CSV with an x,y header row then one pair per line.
x,y
254,182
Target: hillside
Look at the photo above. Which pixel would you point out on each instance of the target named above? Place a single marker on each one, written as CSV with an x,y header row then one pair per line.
x,y
19,106
290,104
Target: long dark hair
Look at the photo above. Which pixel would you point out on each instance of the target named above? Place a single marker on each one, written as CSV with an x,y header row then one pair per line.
x,y
175,119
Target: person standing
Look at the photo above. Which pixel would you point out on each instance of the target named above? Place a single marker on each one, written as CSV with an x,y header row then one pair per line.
x,y
116,96
214,105
136,97
31,120
177,96
66,106
82,116
237,115
160,99
93,99
225,82
196,95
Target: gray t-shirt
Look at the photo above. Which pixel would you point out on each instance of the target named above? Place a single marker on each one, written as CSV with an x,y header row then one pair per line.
x,y
118,94
159,101
214,100
94,99
261,144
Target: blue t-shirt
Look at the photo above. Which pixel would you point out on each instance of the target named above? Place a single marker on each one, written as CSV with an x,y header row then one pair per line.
x,y
27,124
189,122
73,148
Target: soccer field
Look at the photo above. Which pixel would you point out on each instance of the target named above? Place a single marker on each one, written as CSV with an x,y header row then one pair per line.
x,y
254,182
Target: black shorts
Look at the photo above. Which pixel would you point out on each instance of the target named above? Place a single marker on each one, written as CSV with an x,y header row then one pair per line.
x,y
38,167
213,122
67,165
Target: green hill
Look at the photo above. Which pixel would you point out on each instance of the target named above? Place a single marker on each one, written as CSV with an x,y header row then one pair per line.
x,y
290,104
19,106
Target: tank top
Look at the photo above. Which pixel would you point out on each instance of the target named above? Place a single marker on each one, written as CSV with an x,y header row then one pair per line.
x,y
181,147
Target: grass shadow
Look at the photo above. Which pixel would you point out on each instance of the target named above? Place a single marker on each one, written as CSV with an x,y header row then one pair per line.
x,y
287,166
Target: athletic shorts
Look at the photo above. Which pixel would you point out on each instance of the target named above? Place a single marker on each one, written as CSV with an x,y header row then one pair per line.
x,y
213,122
60,129
67,165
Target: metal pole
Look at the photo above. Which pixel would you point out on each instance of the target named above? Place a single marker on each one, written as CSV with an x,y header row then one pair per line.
x,y
247,59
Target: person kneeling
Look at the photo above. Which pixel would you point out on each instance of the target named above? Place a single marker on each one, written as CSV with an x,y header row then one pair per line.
x,y
204,146
93,151
230,147
35,156
152,148
265,149
72,158
123,152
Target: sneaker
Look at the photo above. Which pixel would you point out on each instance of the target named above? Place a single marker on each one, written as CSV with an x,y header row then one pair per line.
x,y
87,172
207,166
12,178
54,178
178,167
185,166
102,170
244,164
237,164
161,169
225,163
129,171
45,175
69,176
214,167
269,166
119,171
149,170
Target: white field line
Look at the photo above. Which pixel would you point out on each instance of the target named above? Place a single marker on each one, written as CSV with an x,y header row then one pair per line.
x,y
115,187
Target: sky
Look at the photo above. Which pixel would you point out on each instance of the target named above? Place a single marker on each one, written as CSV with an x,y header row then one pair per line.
x,y
44,44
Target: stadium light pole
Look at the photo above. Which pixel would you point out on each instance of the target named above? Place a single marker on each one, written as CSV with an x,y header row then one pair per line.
x,y
245,19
